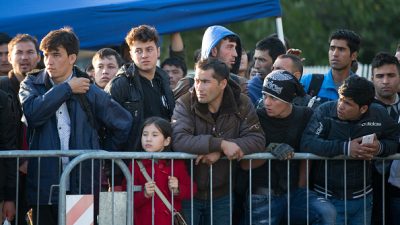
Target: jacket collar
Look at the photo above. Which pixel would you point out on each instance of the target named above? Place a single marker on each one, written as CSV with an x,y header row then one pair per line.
x,y
229,105
386,105
43,78
14,81
331,82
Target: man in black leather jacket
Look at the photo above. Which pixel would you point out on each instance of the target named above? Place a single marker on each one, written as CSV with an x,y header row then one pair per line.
x,y
141,87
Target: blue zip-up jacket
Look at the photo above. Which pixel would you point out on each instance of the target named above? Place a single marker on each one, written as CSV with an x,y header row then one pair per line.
x,y
255,89
328,91
327,135
40,101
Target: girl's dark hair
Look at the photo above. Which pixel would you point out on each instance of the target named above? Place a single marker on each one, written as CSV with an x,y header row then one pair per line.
x,y
163,125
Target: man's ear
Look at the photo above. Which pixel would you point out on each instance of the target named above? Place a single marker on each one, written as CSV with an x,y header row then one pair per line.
x,y
297,74
364,109
214,52
72,59
223,83
354,55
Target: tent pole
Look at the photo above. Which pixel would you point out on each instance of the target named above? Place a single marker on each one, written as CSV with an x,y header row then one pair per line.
x,y
279,28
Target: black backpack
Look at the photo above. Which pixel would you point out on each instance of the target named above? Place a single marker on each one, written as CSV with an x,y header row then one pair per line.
x,y
315,84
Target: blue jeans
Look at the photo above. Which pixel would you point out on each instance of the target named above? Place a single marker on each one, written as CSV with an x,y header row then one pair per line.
x,y
355,210
321,211
202,211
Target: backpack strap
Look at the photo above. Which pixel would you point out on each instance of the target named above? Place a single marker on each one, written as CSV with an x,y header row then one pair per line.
x,y
83,101
315,84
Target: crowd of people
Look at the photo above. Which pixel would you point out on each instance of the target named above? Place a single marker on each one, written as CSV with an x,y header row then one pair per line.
x,y
233,104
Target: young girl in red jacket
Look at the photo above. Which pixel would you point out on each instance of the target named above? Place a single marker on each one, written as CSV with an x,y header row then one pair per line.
x,y
156,137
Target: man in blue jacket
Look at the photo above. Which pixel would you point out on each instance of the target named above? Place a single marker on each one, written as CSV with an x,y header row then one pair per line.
x,y
62,110
337,128
343,49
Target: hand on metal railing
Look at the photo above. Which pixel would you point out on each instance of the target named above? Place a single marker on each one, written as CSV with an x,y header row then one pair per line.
x,y
209,158
281,151
365,151
149,189
231,150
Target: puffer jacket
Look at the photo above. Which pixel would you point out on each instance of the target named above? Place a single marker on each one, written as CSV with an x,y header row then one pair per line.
x,y
327,135
195,131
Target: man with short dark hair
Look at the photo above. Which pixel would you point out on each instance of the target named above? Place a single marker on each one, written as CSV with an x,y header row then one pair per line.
x,y
290,63
176,70
267,50
23,54
213,121
386,78
106,63
5,66
338,128
142,87
343,50
61,109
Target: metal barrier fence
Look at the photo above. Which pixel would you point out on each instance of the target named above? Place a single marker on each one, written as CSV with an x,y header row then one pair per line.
x,y
117,157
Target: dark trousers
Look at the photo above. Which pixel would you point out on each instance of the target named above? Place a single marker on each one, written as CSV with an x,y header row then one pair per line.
x,y
48,215
377,208
22,204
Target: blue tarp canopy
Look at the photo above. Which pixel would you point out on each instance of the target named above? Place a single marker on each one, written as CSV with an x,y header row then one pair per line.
x,y
101,23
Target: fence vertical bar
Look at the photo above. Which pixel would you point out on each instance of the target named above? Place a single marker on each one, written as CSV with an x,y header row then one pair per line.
x,y
250,192
230,192
191,192
17,192
211,194
38,193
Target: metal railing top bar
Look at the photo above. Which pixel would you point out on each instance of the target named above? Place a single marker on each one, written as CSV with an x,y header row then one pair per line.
x,y
43,153
102,154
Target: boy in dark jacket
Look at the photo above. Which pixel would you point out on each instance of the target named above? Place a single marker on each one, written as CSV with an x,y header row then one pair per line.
x,y
62,109
337,128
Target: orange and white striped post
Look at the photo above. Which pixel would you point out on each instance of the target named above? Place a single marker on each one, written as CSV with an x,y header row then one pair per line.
x,y
79,209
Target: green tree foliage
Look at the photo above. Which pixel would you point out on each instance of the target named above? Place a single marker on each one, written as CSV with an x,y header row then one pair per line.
x,y
308,23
